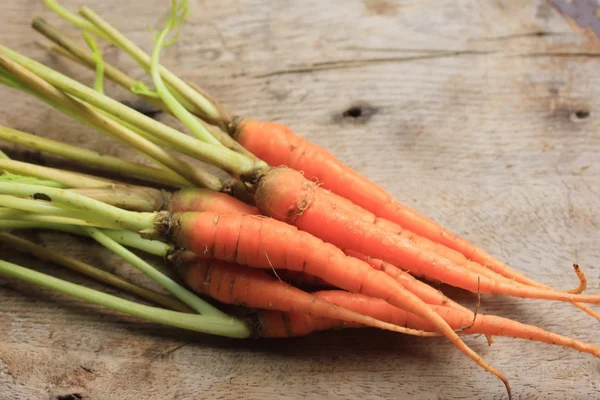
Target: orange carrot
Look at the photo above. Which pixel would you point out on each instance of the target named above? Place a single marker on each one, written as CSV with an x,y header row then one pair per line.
x,y
207,200
234,284
286,195
221,203
277,324
299,278
266,243
420,289
277,145
274,325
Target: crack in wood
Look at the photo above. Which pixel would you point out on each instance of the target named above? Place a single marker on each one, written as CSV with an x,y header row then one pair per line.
x,y
346,64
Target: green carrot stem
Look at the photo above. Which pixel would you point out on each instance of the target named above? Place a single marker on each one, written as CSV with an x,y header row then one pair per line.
x,y
180,112
229,327
95,209
126,238
220,156
38,207
41,207
8,176
90,27
104,124
187,297
134,240
74,18
98,60
18,215
67,178
68,48
27,247
199,104
90,157
7,173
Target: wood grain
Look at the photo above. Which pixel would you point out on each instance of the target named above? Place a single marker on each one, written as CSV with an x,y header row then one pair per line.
x,y
481,114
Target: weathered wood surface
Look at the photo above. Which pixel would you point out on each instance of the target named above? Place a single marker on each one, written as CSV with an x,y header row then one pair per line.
x,y
481,114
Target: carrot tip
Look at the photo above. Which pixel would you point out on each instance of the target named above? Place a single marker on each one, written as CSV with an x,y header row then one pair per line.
x,y
582,280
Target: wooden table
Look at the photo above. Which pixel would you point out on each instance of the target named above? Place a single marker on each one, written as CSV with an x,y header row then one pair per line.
x,y
481,114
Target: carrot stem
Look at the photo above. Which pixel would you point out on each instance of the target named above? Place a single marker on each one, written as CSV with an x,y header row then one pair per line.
x,y
64,178
38,207
43,253
219,156
90,157
187,297
98,210
68,48
98,61
74,18
126,238
112,127
178,12
7,176
228,327
187,95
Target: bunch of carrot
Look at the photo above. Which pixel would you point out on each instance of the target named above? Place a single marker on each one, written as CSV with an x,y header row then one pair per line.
x,y
288,215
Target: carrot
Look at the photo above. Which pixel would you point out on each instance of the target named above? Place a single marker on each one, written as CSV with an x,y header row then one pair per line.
x,y
198,199
234,284
277,324
420,289
266,243
299,279
274,325
207,200
286,195
278,145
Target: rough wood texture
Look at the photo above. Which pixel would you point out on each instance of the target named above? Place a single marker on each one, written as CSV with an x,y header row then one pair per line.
x,y
481,114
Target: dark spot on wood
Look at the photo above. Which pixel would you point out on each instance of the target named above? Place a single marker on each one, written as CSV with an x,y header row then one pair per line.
x,y
41,196
143,107
358,112
582,114
70,396
353,112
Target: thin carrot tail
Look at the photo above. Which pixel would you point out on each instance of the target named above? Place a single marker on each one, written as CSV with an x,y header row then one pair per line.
x,y
420,289
484,324
582,281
